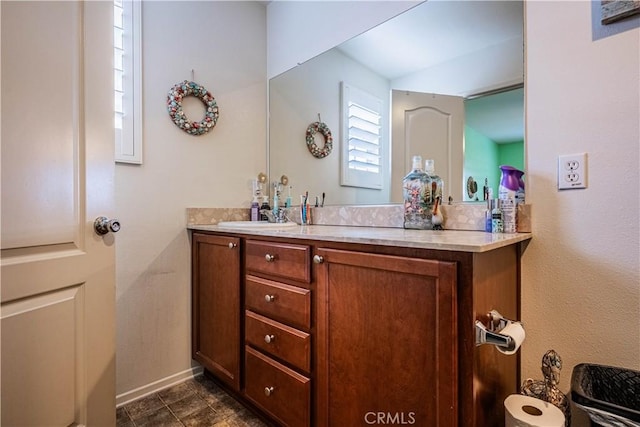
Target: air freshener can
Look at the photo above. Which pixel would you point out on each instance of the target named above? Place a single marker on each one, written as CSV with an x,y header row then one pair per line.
x,y
511,184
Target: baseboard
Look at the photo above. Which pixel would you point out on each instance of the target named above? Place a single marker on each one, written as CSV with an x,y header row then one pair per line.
x,y
129,396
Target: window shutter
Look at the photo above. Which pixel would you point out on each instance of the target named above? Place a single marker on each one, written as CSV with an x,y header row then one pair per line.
x,y
127,78
362,154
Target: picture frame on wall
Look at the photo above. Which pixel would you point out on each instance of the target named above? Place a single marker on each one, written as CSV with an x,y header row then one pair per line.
x,y
615,10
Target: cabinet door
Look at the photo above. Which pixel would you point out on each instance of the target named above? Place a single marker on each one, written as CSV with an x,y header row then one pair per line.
x,y
216,306
387,344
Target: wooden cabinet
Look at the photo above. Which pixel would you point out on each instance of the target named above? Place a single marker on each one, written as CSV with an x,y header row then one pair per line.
x,y
282,392
279,259
368,334
277,330
283,342
286,303
216,339
387,340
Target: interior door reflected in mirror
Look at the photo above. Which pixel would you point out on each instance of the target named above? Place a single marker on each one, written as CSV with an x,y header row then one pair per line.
x,y
471,51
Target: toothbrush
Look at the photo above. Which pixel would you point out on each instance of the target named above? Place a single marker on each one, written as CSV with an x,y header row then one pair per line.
x,y
322,205
302,210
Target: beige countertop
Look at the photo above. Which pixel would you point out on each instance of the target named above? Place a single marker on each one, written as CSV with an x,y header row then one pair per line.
x,y
450,240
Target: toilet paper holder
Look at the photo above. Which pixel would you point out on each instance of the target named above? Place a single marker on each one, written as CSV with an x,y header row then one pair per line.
x,y
490,334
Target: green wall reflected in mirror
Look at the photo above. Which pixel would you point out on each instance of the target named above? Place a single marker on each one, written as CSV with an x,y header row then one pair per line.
x,y
493,136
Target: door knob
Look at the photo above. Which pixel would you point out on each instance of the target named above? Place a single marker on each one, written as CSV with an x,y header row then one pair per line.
x,y
102,225
318,259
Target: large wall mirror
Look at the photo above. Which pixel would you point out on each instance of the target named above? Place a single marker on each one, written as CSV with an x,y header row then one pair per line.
x,y
448,75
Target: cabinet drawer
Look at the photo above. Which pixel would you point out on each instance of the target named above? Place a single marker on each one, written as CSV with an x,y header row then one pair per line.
x,y
288,304
279,259
280,391
279,340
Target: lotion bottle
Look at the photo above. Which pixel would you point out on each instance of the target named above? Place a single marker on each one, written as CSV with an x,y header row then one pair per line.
x,y
254,211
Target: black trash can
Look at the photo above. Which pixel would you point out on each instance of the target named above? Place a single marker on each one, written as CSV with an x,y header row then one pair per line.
x,y
609,395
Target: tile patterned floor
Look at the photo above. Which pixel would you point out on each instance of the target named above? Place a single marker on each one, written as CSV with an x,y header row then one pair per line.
x,y
198,402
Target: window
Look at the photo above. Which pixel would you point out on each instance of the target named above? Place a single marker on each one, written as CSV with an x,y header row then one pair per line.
x,y
127,69
362,153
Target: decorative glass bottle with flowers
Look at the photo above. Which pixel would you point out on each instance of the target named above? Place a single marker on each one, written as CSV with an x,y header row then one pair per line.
x,y
416,192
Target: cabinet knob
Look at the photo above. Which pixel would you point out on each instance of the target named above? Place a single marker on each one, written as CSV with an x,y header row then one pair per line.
x,y
269,338
269,298
268,391
318,259
270,258
232,245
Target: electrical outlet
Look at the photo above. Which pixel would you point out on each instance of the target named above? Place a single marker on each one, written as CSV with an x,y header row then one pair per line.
x,y
572,171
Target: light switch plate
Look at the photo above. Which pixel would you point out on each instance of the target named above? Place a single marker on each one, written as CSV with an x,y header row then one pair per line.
x,y
572,171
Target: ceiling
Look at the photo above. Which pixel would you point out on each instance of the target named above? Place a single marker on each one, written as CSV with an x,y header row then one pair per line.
x,y
439,31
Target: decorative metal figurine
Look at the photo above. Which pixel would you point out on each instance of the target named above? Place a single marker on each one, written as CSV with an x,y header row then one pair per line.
x,y
547,389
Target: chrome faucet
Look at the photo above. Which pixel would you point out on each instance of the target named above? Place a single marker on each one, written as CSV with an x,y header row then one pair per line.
x,y
281,216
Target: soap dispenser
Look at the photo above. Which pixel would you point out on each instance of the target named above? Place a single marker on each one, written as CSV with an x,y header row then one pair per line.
x,y
265,206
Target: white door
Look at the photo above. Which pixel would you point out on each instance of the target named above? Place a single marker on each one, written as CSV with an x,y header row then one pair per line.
x,y
432,126
58,276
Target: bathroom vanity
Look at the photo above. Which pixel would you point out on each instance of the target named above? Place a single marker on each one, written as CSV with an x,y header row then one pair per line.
x,y
333,325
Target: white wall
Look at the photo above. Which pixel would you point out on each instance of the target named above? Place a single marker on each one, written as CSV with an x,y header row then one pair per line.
x,y
180,171
581,272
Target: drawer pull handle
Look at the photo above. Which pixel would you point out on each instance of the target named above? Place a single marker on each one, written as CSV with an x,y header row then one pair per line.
x,y
269,338
232,245
268,391
269,298
318,259
270,258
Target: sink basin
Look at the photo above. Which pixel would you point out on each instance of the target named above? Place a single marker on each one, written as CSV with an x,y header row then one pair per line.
x,y
256,224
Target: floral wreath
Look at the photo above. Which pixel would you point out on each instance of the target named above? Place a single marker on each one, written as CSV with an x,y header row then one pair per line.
x,y
311,142
174,107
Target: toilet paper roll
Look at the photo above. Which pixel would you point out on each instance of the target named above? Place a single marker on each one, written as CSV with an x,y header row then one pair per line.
x,y
516,332
527,411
